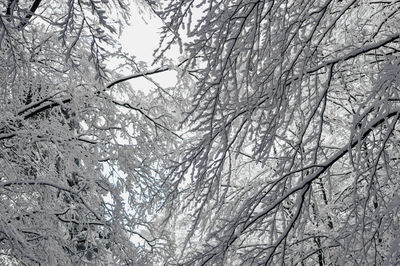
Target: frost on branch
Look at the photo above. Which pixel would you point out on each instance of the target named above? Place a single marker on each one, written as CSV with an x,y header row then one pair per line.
x,y
294,118
78,167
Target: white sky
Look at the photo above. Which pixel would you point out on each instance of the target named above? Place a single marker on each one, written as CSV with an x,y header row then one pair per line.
x,y
140,39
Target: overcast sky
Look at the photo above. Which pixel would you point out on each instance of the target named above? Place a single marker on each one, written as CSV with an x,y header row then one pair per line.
x,y
140,39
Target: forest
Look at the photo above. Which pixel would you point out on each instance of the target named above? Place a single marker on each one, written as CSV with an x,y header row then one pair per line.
x,y
278,145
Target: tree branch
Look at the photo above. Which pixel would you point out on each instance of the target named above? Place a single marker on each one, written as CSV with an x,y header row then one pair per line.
x,y
32,10
143,74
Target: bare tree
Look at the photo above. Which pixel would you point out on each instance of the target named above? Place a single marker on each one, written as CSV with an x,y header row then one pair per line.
x,y
293,157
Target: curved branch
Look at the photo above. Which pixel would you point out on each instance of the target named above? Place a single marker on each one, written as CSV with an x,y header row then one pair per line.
x,y
322,168
143,74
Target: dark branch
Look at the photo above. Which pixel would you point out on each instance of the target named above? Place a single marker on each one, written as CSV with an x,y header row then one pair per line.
x,y
28,16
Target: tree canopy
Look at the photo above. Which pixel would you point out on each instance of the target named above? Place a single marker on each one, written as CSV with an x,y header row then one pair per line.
x,y
66,133
287,151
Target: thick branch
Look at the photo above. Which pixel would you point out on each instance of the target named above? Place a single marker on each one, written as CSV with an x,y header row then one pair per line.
x,y
322,168
356,52
34,6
